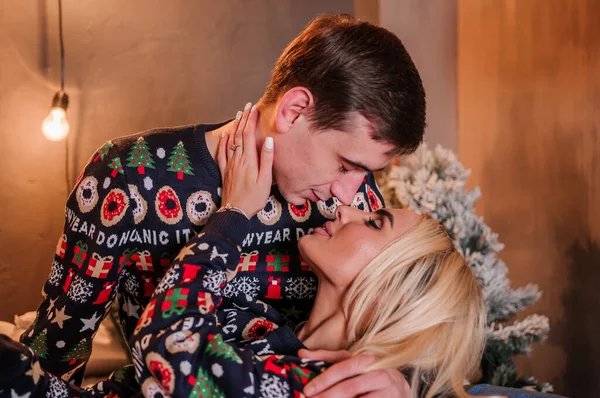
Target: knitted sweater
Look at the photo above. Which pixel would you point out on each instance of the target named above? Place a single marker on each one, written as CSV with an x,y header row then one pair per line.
x,y
179,347
137,202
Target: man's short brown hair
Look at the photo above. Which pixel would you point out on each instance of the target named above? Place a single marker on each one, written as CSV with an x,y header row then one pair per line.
x,y
354,66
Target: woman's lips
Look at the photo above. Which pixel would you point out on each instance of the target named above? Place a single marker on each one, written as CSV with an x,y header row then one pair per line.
x,y
320,231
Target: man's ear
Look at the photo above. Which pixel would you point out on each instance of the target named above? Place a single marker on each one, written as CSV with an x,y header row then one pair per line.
x,y
293,108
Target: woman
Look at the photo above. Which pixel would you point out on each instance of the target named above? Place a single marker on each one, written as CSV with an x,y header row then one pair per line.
x,y
391,284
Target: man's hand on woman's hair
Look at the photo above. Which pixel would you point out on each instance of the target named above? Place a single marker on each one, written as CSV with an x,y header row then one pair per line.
x,y
348,377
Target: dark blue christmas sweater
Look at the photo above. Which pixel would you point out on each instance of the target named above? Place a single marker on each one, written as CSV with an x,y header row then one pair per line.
x,y
137,202
179,347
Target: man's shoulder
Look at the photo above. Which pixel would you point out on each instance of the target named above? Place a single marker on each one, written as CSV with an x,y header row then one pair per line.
x,y
162,135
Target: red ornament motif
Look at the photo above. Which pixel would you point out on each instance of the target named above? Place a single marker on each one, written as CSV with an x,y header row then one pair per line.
x,y
190,272
259,328
274,289
61,246
99,266
104,295
248,261
68,280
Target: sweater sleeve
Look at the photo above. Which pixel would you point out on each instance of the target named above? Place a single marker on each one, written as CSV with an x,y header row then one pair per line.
x,y
21,375
178,347
85,269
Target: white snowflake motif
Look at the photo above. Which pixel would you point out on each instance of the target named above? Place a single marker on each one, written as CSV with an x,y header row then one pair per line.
x,y
80,290
57,388
213,280
303,287
56,274
272,386
169,280
131,284
247,285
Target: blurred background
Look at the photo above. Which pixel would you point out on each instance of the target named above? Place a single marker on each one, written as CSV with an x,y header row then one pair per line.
x,y
513,88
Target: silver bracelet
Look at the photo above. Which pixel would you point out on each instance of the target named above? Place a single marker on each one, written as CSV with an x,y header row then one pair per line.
x,y
230,207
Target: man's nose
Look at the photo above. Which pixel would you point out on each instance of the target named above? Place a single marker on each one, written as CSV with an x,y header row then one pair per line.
x,y
345,188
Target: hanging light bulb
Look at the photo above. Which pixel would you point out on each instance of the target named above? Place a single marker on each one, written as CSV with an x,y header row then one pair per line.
x,y
56,126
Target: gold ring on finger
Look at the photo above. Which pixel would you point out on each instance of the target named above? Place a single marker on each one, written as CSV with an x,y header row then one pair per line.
x,y
233,147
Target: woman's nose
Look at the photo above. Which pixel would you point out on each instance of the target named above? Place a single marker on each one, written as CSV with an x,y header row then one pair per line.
x,y
345,214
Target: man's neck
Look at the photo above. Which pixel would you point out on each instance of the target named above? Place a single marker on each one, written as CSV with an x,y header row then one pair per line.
x,y
326,326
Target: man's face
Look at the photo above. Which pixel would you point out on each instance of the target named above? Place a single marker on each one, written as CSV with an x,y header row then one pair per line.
x,y
318,165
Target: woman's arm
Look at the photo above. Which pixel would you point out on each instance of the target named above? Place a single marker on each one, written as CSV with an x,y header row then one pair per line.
x,y
21,375
178,347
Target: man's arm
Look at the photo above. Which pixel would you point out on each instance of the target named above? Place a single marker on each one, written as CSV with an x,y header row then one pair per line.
x,y
178,347
85,270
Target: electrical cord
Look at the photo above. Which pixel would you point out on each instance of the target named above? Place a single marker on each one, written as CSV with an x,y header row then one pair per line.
x,y
62,88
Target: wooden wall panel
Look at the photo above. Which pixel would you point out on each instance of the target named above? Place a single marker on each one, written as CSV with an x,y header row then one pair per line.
x,y
529,128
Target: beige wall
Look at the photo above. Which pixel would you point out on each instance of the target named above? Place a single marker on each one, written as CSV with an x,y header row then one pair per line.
x,y
529,128
130,65
428,30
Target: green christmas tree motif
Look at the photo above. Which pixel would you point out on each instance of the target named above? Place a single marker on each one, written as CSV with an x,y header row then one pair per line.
x,y
216,346
140,156
115,164
39,345
179,162
103,151
81,350
204,386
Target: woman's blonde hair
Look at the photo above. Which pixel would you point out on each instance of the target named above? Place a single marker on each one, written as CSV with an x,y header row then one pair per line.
x,y
418,306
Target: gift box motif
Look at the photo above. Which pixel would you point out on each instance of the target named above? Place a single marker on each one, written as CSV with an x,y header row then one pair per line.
x,y
99,266
79,253
278,261
143,261
61,246
248,261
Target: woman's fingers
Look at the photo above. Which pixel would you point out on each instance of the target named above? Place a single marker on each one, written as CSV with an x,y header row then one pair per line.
x,y
239,138
265,174
222,153
249,137
231,141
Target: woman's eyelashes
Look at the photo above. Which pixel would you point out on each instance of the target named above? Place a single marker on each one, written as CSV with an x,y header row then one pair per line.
x,y
343,169
374,223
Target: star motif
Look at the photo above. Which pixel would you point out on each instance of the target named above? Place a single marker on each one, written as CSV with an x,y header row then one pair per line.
x,y
60,317
131,309
215,254
35,372
90,323
13,394
187,250
292,312
51,305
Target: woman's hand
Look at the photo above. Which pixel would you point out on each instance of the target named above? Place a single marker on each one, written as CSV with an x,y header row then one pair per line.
x,y
246,183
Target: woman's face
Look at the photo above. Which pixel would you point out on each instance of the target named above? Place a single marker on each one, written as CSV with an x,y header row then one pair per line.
x,y
343,247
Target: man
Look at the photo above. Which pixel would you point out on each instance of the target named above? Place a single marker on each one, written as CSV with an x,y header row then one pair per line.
x,y
343,99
